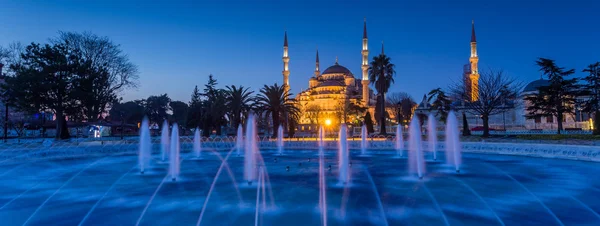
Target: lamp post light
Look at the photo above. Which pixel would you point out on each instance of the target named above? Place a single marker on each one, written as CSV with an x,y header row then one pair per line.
x,y
327,125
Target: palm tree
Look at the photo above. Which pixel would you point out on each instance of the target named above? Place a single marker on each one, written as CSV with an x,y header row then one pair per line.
x,y
239,103
275,102
381,73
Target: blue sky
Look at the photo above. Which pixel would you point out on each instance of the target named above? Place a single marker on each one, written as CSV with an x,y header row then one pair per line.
x,y
177,44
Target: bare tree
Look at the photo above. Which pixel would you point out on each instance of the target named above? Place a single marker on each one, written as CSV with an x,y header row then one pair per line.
x,y
10,55
402,105
496,94
114,72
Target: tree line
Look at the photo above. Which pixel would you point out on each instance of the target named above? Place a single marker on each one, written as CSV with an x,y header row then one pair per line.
x,y
212,108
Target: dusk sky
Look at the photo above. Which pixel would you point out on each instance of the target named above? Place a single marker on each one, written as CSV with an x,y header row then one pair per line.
x,y
177,44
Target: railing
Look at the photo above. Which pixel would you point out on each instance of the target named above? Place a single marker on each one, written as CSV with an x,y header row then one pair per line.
x,y
50,149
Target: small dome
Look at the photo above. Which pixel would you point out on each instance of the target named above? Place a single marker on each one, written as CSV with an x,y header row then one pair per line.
x,y
533,86
337,69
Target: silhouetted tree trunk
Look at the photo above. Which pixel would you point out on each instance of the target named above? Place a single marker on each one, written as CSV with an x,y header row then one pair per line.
x,y
486,125
382,119
369,122
276,122
292,128
63,132
466,131
559,122
596,123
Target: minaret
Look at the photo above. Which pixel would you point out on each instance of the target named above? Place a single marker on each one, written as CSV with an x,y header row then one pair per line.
x,y
474,59
365,67
286,60
317,71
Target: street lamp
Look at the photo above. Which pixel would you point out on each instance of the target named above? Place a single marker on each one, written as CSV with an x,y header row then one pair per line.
x,y
327,124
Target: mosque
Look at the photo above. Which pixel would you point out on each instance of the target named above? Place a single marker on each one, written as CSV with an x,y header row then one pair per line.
x,y
332,93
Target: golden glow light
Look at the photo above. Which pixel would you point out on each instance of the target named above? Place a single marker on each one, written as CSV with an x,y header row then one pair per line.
x,y
327,122
591,124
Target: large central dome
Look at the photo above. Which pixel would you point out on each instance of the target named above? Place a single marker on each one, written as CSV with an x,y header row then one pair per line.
x,y
533,86
337,69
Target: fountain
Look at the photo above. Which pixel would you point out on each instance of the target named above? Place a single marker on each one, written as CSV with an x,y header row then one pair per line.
x,y
363,140
415,155
432,135
399,141
197,143
145,148
343,155
322,179
174,151
164,141
280,140
239,140
321,142
453,146
250,149
43,184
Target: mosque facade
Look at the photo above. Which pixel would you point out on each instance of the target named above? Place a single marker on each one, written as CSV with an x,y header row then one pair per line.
x,y
333,94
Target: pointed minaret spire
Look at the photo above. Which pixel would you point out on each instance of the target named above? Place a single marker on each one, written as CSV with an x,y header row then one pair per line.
x,y
473,77
317,55
336,60
286,61
473,39
365,66
317,70
365,29
382,53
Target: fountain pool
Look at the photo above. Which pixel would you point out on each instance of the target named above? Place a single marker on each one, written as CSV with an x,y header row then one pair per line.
x,y
490,190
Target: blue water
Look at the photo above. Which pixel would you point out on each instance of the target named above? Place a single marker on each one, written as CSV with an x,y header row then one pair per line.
x,y
490,190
